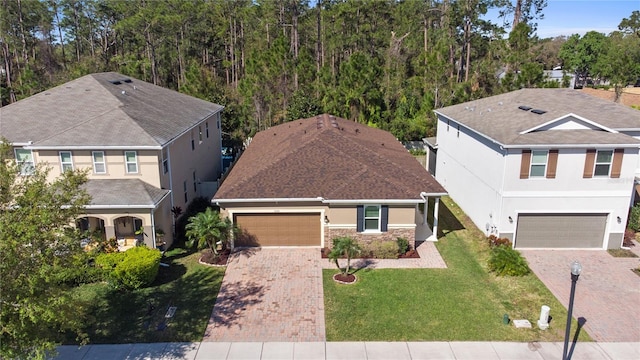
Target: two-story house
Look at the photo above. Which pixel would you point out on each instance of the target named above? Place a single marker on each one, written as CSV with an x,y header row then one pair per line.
x,y
546,168
147,149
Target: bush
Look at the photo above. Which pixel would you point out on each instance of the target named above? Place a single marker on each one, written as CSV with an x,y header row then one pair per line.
x,y
634,218
496,241
81,271
133,269
507,261
382,250
403,245
628,236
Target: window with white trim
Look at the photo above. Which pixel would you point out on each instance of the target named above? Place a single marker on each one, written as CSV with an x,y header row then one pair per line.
x,y
604,159
538,166
131,162
24,158
371,218
99,164
66,161
165,160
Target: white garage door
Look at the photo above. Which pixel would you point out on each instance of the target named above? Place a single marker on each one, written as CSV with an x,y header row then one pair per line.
x,y
560,230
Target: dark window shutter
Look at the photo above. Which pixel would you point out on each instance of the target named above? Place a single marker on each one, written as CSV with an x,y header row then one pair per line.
x,y
617,163
589,162
525,163
360,218
552,164
384,217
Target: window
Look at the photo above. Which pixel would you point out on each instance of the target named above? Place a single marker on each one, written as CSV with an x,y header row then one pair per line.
x,y
200,133
372,218
604,159
447,124
99,165
193,142
24,158
131,162
66,163
195,183
538,163
206,128
165,160
186,195
458,133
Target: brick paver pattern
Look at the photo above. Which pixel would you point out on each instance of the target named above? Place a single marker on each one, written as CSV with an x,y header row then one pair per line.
x,y
607,292
270,294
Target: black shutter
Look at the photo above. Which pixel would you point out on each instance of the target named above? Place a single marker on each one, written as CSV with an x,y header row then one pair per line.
x,y
384,217
360,218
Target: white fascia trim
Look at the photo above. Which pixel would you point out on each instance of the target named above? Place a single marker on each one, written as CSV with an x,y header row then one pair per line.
x,y
276,200
374,201
570,146
475,131
564,194
566,116
92,147
99,207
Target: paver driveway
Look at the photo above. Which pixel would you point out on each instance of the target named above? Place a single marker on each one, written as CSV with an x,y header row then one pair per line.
x,y
607,292
270,295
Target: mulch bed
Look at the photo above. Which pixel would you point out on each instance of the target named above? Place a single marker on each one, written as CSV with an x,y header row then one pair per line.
x,y
344,279
411,254
209,258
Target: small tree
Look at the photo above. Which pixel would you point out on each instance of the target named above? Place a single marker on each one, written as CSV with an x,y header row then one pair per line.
x,y
208,229
344,247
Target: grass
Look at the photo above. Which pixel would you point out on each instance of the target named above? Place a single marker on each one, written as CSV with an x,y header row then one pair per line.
x,y
118,316
461,303
623,253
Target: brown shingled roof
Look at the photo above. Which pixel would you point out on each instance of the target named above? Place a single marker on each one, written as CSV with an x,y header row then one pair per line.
x,y
327,157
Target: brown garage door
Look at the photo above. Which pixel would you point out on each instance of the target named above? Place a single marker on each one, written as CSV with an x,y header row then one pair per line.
x,y
291,229
560,230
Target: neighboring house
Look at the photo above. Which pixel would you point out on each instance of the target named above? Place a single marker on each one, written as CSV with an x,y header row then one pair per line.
x,y
546,168
305,182
147,149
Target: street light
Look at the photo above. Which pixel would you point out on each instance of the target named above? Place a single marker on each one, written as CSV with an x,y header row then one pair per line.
x,y
576,269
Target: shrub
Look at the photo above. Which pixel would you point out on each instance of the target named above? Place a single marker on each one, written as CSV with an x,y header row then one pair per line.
x,y
634,218
403,245
344,246
139,267
133,269
383,250
628,236
82,270
507,261
496,241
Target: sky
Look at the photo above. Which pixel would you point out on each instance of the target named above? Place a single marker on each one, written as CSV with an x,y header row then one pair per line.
x,y
567,17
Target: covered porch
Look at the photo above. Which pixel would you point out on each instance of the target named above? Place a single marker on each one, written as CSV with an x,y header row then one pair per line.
x,y
427,217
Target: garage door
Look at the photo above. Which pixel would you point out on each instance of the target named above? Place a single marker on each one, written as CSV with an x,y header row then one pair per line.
x,y
560,230
298,229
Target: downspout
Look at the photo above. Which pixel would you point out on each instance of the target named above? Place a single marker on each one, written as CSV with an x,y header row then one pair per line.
x,y
173,218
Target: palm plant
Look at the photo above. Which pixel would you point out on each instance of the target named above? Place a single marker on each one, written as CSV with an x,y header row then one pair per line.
x,y
347,247
208,229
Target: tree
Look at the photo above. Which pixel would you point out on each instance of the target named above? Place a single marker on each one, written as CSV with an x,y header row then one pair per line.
x,y
581,54
207,229
37,244
344,247
620,63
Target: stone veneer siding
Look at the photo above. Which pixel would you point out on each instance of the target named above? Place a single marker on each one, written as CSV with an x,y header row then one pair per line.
x,y
363,238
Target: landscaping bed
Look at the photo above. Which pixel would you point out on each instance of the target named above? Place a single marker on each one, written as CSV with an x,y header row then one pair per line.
x,y
410,254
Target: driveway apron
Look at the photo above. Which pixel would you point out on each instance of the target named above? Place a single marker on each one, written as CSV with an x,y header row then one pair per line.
x,y
270,294
607,292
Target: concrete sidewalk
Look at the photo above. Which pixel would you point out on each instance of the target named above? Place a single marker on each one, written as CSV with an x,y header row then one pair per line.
x,y
351,351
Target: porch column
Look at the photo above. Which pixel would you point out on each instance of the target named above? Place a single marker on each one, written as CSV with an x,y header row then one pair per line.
x,y
426,211
109,231
435,218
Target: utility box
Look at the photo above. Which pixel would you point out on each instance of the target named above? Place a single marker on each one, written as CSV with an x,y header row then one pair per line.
x,y
543,322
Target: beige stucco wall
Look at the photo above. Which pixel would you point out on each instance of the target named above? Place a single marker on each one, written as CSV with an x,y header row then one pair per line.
x,y
148,164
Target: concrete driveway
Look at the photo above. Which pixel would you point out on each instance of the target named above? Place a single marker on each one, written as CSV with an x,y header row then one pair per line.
x,y
270,295
607,292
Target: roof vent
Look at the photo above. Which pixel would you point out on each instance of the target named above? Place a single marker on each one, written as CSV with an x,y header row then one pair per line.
x,y
126,80
538,111
115,82
524,107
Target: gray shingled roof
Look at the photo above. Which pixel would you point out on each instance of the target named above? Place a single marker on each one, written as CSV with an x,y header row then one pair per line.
x,y
93,111
327,157
499,118
123,192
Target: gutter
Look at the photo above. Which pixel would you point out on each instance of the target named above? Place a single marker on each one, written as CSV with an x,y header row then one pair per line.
x,y
325,201
92,147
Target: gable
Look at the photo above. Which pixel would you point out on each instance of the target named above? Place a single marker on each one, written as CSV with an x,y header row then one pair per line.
x,y
569,122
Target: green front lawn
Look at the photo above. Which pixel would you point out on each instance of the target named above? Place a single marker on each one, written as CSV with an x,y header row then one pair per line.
x,y
463,302
118,316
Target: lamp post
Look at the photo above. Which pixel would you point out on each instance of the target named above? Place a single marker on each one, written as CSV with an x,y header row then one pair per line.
x,y
576,269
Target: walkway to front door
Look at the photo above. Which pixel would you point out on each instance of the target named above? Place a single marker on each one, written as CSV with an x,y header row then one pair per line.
x,y
270,295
